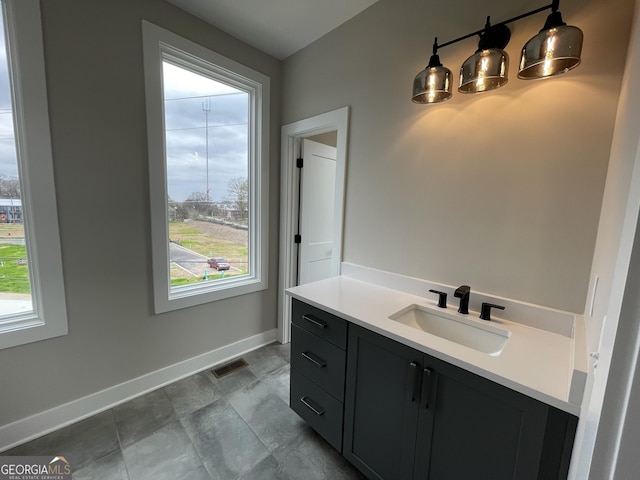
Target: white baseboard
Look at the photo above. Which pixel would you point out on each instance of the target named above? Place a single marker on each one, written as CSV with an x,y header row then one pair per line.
x,y
23,430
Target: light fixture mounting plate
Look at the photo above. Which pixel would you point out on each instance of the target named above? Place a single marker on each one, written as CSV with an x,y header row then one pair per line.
x,y
496,36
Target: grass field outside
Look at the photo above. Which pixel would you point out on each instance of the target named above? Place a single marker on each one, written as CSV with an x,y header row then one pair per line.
x,y
205,238
210,240
14,269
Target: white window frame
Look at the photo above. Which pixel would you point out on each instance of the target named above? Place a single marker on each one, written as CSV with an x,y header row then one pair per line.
x,y
159,44
48,318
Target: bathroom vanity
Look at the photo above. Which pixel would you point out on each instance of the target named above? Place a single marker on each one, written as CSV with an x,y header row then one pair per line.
x,y
400,401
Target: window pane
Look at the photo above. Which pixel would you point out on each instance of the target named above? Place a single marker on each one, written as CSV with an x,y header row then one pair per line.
x,y
15,286
207,162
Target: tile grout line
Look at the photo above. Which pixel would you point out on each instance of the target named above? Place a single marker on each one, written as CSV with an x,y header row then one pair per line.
x,y
124,462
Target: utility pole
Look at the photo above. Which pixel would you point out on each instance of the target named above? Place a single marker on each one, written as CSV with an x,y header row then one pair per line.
x,y
206,108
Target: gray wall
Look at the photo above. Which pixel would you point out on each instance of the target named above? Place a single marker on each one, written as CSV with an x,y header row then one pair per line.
x,y
501,191
613,392
329,138
95,82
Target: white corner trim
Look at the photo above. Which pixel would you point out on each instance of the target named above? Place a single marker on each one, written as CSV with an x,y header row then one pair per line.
x,y
291,134
29,428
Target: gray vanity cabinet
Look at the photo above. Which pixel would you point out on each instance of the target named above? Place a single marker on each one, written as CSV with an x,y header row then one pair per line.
x,y
399,414
411,416
318,364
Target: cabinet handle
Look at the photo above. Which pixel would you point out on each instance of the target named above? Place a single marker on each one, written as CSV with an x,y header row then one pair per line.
x,y
426,387
315,410
411,381
317,361
318,323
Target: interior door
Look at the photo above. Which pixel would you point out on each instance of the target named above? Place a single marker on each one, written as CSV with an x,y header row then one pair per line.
x,y
317,212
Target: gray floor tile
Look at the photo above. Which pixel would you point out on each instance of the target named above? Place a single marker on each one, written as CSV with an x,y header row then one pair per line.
x,y
267,414
267,359
107,468
308,456
234,381
192,393
284,350
142,416
143,439
82,443
278,382
268,469
167,454
227,446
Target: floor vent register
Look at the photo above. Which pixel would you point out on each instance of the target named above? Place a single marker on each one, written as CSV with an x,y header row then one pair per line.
x,y
229,367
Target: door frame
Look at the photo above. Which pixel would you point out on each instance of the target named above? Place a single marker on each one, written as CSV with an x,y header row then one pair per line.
x,y
291,136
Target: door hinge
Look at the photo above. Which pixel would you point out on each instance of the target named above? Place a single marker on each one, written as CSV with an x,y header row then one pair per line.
x,y
297,238
299,162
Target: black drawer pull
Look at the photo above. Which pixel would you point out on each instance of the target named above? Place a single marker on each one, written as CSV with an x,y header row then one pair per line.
x,y
317,361
317,411
427,374
318,323
411,381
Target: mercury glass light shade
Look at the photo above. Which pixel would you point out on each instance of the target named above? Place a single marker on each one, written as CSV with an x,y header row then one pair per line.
x,y
484,70
433,84
555,50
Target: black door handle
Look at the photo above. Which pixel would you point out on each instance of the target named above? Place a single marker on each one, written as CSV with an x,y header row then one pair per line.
x,y
427,375
317,361
411,381
307,403
315,321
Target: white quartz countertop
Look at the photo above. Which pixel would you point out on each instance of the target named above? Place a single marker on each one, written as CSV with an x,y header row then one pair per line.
x,y
534,361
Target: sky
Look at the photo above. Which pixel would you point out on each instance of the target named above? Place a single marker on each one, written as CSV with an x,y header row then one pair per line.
x,y
187,123
8,161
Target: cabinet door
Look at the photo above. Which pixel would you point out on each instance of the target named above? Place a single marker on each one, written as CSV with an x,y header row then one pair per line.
x,y
381,409
476,429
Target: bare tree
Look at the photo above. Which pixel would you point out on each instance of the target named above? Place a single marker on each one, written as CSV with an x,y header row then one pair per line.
x,y
197,201
238,190
9,186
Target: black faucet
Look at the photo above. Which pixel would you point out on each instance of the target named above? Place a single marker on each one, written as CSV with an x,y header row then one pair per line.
x,y
462,293
442,298
485,312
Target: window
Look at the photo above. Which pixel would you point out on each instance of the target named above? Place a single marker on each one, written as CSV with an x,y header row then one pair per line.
x,y
32,299
207,129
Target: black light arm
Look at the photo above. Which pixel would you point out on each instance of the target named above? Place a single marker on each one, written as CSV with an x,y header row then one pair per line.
x,y
553,7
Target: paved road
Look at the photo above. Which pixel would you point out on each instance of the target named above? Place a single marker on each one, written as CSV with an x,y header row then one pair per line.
x,y
188,259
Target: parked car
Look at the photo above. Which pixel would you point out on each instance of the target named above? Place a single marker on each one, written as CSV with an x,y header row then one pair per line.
x,y
218,263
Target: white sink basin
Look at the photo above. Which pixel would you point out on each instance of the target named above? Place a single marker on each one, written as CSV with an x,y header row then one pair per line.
x,y
477,334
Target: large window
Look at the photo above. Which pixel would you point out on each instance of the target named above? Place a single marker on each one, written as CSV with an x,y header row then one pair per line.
x,y
32,299
207,119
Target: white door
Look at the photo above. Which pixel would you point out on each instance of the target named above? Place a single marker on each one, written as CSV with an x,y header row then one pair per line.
x,y
317,212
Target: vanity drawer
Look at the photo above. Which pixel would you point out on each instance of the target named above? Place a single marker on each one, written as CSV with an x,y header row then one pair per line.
x,y
320,361
327,326
319,409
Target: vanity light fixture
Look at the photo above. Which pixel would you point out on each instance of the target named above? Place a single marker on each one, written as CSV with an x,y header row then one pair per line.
x,y
555,50
487,68
433,84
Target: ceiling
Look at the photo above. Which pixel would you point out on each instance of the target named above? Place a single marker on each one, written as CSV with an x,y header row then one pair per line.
x,y
277,27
